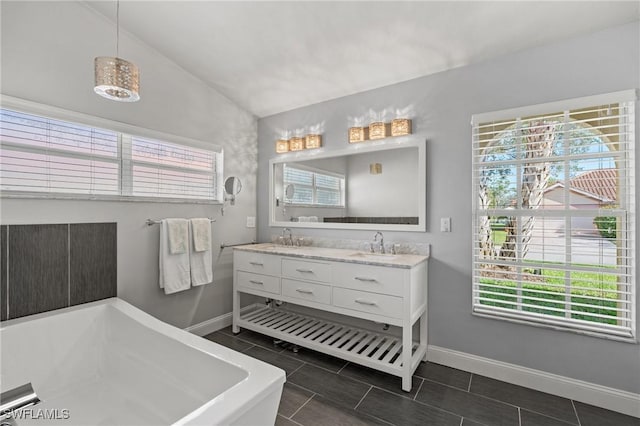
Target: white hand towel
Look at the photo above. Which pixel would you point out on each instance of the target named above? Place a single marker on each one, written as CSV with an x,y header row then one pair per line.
x,y
201,261
178,235
201,231
174,268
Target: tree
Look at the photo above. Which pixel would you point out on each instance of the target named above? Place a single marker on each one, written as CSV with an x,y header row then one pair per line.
x,y
538,146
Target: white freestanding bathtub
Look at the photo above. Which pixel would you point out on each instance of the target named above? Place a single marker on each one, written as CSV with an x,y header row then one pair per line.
x,y
109,363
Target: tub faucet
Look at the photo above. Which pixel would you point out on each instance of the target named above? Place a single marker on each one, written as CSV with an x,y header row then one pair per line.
x,y
16,399
381,243
284,238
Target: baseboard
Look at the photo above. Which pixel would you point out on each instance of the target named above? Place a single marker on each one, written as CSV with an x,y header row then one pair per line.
x,y
214,324
578,390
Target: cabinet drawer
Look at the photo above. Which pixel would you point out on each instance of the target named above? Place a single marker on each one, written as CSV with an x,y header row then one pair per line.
x,y
256,262
377,279
379,304
306,291
259,282
305,270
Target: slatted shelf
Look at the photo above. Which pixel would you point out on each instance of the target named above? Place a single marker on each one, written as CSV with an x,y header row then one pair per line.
x,y
373,349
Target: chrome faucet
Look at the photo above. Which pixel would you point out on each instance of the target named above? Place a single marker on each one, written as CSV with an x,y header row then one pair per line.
x,y
16,399
284,238
381,243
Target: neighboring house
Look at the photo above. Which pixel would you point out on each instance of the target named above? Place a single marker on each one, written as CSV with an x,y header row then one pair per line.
x,y
589,190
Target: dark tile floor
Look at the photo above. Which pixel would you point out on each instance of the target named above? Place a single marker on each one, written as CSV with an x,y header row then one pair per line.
x,y
323,390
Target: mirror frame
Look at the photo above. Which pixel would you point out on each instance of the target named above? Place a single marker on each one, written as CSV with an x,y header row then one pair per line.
x,y
364,147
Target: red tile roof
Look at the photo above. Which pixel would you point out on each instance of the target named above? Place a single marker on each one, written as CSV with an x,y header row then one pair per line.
x,y
602,183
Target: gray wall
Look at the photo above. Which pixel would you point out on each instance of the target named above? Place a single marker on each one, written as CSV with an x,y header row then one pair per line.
x,y
47,57
443,103
391,193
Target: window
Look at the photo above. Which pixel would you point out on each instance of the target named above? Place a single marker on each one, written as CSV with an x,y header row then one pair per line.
x,y
314,187
42,156
161,169
554,215
39,154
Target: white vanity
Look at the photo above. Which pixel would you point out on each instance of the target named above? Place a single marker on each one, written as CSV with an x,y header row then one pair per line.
x,y
387,289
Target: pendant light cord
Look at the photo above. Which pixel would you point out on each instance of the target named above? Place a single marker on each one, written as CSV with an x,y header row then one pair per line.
x,y
117,28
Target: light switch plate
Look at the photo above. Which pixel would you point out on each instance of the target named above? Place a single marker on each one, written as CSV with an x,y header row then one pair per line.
x,y
445,224
251,221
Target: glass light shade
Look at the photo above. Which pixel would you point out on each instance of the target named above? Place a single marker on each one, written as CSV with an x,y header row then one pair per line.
x,y
378,130
282,145
358,134
116,79
400,127
313,141
296,144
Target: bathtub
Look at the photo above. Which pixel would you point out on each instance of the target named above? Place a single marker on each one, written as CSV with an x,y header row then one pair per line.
x,y
109,363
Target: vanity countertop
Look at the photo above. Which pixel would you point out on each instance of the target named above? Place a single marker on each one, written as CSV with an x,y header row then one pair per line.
x,y
338,255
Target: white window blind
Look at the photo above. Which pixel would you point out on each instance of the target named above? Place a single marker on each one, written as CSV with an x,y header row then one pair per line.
x,y
554,215
161,169
314,188
41,156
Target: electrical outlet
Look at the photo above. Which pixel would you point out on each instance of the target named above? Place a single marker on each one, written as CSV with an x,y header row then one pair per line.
x,y
251,221
445,224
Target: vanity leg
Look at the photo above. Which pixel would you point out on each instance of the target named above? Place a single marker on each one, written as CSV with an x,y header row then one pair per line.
x,y
424,332
407,343
236,312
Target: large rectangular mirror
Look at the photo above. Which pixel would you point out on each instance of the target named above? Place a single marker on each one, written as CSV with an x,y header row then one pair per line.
x,y
375,185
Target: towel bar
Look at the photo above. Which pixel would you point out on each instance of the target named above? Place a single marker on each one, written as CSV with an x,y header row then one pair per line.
x,y
150,222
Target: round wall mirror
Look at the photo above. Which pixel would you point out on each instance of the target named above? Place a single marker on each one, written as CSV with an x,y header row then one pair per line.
x,y
289,191
232,185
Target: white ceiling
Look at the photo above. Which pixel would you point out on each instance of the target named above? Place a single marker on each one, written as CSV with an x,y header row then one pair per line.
x,y
271,57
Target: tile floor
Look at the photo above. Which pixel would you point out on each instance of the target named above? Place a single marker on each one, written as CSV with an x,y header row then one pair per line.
x,y
323,390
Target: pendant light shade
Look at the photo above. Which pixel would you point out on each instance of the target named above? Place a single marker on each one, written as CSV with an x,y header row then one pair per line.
x,y
116,78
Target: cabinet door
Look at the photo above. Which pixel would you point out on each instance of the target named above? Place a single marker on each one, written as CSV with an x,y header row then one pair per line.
x,y
377,279
306,270
258,263
267,283
304,290
373,303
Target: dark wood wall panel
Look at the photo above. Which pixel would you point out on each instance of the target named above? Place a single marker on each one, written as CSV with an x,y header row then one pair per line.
x,y
38,269
3,272
93,264
46,267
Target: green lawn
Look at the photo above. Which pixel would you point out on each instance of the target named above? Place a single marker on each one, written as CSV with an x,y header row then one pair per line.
x,y
595,284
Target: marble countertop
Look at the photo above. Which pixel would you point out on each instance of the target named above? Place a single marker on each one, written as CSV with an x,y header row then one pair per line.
x,y
337,255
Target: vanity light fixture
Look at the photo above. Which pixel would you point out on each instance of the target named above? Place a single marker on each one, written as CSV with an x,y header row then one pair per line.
x,y
400,127
282,146
116,78
378,130
313,141
358,134
296,144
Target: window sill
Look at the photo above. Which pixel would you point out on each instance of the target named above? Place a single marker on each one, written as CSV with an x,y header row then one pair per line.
x,y
117,198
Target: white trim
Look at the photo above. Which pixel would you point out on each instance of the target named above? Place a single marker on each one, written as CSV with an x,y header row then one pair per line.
x,y
214,324
578,390
604,99
371,146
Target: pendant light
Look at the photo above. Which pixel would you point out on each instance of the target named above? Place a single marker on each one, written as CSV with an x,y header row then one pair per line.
x,y
116,78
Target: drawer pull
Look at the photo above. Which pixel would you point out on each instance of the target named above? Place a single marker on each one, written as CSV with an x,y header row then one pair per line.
x,y
256,282
304,291
365,302
369,280
256,263
305,270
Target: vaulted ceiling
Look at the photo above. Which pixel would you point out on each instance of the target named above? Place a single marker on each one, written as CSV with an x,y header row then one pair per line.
x,y
271,57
